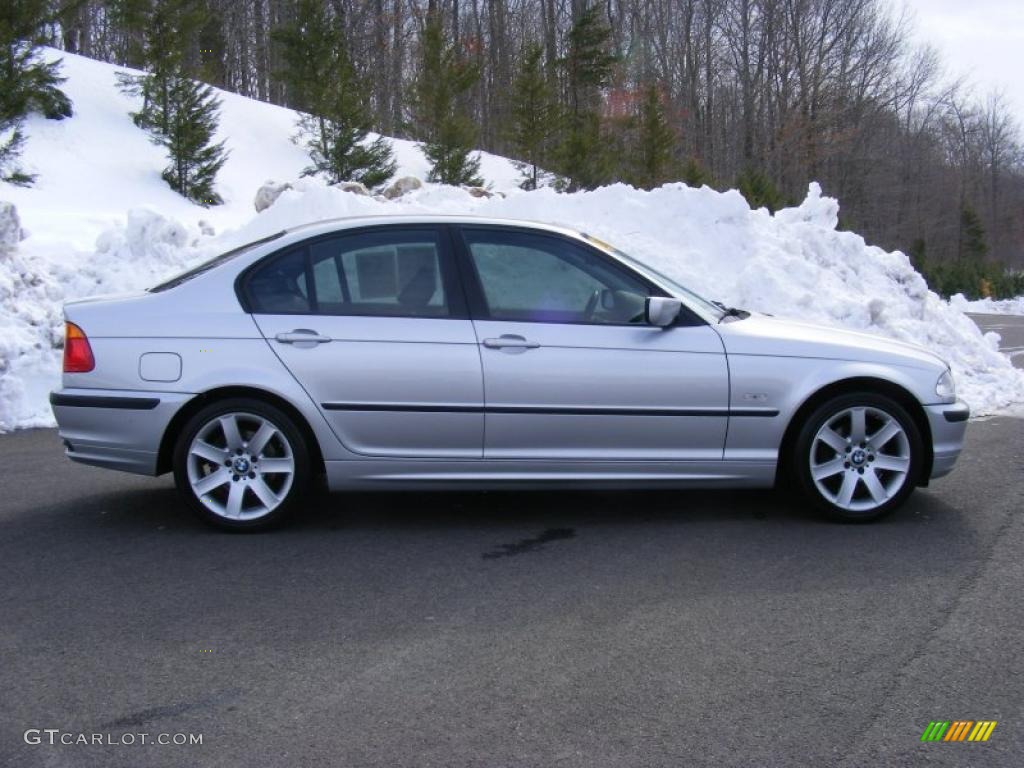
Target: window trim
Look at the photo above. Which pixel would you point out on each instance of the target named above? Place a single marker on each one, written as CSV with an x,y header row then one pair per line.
x,y
477,301
451,277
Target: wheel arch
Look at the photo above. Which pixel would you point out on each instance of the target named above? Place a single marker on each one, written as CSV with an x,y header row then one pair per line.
x,y
166,451
851,385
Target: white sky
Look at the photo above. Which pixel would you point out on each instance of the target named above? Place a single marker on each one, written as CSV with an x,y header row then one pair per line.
x,y
982,39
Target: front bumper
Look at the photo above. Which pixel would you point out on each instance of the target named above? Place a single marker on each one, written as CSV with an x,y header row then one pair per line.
x,y
948,424
115,429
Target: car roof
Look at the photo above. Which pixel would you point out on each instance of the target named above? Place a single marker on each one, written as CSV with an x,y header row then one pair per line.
x,y
349,222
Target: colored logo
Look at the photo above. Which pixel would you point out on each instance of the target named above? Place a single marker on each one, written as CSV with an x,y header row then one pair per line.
x,y
958,730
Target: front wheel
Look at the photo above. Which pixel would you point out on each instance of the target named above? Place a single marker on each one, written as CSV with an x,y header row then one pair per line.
x,y
241,464
858,456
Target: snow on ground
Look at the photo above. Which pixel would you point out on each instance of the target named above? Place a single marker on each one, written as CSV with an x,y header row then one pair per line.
x,y
1013,306
100,220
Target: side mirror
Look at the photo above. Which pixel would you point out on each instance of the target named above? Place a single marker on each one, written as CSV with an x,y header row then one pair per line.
x,y
660,311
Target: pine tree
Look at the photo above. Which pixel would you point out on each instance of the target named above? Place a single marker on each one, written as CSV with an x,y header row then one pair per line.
x,y
179,113
130,19
695,175
322,82
191,125
27,83
449,133
759,190
166,26
655,145
588,67
972,235
535,115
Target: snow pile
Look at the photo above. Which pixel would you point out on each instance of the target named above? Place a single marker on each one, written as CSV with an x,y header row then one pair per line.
x,y
11,232
97,165
37,278
1014,306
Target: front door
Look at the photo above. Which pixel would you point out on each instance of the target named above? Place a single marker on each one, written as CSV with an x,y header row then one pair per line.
x,y
373,325
572,371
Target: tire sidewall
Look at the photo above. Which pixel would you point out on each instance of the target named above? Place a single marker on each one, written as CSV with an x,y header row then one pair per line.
x,y
800,458
300,453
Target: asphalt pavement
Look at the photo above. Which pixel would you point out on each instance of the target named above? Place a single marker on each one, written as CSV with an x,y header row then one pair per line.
x,y
1011,331
509,629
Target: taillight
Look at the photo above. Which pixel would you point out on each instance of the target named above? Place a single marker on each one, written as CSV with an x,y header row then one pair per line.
x,y
77,352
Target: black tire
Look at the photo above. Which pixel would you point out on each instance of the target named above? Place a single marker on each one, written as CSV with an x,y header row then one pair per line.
x,y
800,459
288,439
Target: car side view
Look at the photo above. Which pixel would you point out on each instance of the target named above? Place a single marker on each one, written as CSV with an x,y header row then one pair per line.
x,y
436,352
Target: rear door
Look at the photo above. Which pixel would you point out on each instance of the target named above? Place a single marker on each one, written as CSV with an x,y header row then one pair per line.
x,y
373,324
571,370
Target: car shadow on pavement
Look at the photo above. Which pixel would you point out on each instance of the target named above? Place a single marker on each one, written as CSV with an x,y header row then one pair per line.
x,y
755,535
163,509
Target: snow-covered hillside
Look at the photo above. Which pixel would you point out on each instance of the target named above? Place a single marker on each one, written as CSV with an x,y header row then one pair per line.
x,y
99,219
97,165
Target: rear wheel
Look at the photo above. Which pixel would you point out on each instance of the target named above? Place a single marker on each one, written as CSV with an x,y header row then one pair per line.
x,y
241,464
858,456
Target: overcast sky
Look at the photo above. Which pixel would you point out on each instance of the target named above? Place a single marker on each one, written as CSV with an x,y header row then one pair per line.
x,y
983,39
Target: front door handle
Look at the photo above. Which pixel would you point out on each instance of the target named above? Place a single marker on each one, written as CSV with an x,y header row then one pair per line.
x,y
510,340
302,336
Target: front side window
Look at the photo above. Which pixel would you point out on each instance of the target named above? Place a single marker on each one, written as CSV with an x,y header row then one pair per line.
x,y
545,278
386,274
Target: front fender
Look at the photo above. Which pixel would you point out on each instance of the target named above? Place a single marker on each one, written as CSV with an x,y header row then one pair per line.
x,y
786,383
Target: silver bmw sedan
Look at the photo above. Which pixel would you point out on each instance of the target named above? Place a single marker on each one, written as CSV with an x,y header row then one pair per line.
x,y
435,352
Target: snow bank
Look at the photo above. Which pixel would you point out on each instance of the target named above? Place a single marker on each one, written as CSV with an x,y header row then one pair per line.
x,y
95,166
1014,306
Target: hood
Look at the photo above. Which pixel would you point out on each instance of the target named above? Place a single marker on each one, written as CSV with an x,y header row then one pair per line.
x,y
764,335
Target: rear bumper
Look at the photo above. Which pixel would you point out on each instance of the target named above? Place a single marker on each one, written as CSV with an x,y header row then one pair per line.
x,y
114,429
948,424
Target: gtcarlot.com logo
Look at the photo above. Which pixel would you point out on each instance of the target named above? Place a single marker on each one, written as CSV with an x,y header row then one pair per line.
x,y
58,737
958,730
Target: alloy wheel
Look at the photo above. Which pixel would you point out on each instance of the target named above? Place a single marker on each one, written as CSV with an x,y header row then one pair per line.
x,y
240,466
860,458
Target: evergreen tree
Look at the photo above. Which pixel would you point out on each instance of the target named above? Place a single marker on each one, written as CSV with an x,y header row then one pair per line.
x,y
695,175
179,113
27,83
535,115
655,144
588,66
130,18
194,158
759,190
322,82
972,235
167,26
449,133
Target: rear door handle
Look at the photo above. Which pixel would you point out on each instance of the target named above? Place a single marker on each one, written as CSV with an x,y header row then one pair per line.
x,y
510,340
302,336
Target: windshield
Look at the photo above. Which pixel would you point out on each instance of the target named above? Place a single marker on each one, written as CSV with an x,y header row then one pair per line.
x,y
695,300
206,266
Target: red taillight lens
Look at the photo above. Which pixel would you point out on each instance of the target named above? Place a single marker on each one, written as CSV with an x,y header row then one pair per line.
x,y
77,352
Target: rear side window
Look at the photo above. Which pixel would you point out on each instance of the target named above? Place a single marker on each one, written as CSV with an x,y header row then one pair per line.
x,y
398,273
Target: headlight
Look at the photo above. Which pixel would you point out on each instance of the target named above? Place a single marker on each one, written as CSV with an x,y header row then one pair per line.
x,y
945,387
